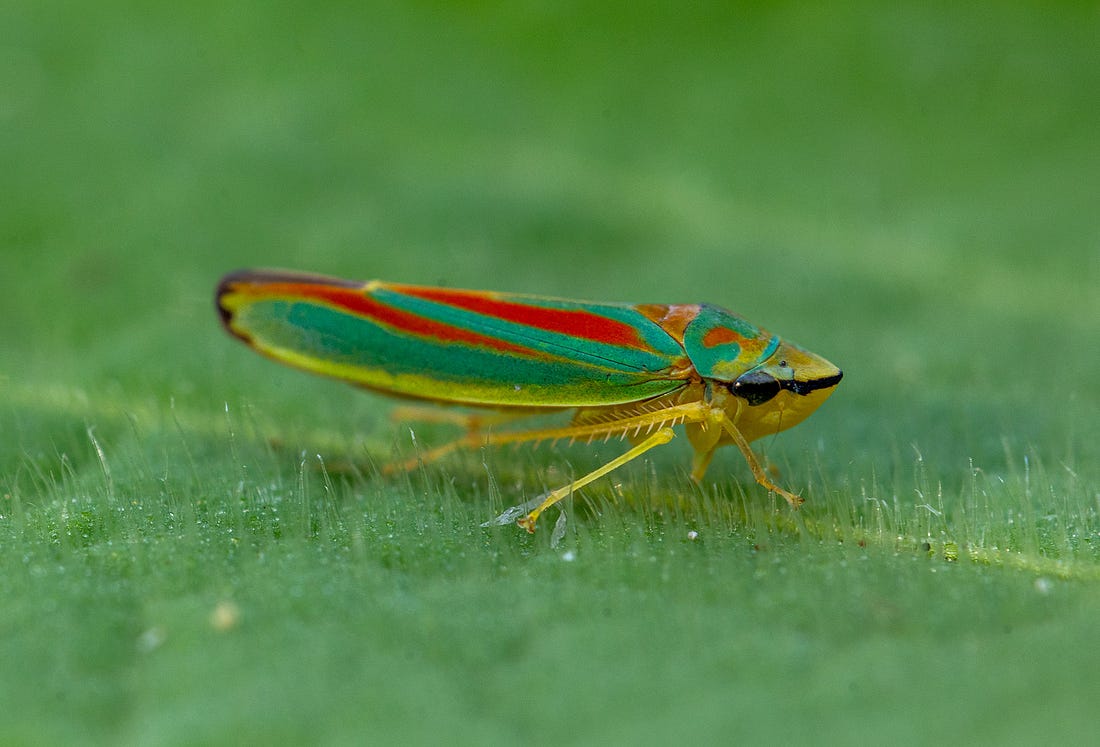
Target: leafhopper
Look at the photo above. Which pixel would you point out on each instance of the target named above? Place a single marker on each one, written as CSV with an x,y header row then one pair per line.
x,y
625,370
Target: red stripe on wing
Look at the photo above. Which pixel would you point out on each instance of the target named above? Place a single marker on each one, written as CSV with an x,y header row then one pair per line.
x,y
581,323
355,301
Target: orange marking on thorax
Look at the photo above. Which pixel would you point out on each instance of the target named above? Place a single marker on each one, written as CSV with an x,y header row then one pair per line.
x,y
720,336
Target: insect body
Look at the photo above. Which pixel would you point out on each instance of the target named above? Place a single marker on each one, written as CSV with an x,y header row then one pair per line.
x,y
627,370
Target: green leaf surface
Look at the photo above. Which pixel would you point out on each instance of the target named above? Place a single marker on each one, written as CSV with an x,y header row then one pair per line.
x,y
196,546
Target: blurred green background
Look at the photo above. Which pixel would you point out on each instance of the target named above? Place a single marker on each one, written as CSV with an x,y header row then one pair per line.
x,y
910,191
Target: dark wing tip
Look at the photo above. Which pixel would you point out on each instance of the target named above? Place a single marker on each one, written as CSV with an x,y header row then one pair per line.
x,y
266,277
805,387
225,285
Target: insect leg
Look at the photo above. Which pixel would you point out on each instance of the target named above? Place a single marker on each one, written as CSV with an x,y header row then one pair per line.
x,y
470,440
700,462
691,412
474,423
754,464
471,421
662,436
646,429
704,438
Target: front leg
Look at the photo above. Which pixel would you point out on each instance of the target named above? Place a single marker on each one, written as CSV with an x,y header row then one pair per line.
x,y
704,437
758,471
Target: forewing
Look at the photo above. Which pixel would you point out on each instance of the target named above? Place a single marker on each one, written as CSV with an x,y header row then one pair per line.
x,y
465,347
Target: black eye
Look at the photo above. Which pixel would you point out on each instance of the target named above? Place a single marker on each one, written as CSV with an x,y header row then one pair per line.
x,y
756,387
